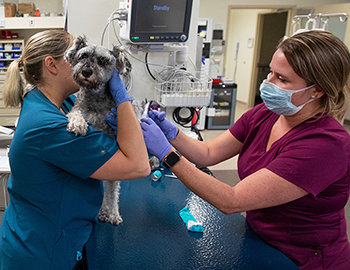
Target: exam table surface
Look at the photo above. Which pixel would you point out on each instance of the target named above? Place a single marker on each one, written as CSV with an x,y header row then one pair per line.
x,y
153,236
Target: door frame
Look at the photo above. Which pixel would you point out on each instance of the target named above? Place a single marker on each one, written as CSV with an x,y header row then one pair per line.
x,y
258,35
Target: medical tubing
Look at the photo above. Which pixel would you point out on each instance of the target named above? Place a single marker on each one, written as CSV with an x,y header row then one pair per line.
x,y
149,71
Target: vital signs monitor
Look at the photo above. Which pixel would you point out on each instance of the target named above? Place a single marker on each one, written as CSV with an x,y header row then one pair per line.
x,y
156,21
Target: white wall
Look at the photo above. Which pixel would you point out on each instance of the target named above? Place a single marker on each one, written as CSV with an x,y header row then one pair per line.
x,y
339,8
54,6
89,17
243,26
218,9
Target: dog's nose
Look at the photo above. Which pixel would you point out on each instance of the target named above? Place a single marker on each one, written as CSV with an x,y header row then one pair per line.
x,y
87,72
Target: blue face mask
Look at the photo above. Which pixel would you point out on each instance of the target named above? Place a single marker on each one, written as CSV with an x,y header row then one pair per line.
x,y
279,100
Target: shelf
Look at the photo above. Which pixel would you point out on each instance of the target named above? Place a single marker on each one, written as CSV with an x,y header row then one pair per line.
x,y
10,40
7,59
5,54
10,51
24,23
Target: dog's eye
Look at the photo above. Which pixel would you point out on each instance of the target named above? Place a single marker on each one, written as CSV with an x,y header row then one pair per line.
x,y
83,56
102,61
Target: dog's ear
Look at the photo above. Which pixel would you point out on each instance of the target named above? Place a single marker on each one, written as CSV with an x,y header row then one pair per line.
x,y
116,50
79,43
123,64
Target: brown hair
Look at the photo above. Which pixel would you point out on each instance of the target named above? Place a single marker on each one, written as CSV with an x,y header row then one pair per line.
x,y
47,43
321,58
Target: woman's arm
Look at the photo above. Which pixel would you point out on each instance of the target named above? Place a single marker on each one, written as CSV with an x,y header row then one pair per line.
x,y
131,160
210,153
259,190
221,148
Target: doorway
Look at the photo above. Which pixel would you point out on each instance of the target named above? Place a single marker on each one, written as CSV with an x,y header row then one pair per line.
x,y
252,36
273,29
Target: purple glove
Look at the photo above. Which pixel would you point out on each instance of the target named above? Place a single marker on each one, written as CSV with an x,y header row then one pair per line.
x,y
169,129
155,140
117,88
112,120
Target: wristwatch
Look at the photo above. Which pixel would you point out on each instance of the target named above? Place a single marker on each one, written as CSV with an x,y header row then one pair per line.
x,y
171,159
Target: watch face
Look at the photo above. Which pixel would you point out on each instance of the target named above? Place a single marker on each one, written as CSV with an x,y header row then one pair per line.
x,y
172,159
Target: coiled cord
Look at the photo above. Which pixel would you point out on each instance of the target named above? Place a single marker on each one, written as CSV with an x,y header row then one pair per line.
x,y
184,121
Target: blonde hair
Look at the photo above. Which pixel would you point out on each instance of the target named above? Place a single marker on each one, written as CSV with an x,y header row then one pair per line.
x,y
321,58
47,43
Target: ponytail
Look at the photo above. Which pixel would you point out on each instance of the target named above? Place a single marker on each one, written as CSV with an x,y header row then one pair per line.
x,y
13,90
42,44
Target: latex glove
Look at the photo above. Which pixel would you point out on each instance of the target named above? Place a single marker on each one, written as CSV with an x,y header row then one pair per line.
x,y
169,129
156,142
117,88
112,120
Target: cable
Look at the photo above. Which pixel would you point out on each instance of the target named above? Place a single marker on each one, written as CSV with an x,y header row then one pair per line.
x,y
236,61
122,16
183,121
115,33
149,71
169,74
104,31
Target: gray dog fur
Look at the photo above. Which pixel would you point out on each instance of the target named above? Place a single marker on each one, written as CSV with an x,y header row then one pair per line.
x,y
92,67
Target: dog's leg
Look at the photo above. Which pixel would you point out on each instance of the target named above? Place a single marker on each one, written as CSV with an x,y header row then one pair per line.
x,y
109,211
77,123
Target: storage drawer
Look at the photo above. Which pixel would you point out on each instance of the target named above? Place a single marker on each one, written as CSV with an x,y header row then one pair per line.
x,y
8,120
4,197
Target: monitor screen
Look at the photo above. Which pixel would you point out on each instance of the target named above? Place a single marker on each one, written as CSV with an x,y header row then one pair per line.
x,y
160,20
160,16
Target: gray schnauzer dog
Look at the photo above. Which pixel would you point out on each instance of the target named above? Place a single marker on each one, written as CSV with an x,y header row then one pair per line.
x,y
92,68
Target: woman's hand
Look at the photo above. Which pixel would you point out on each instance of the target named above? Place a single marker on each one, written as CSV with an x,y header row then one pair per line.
x,y
156,142
169,129
112,120
117,88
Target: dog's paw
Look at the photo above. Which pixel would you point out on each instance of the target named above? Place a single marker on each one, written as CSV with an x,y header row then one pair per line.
x,y
77,123
105,216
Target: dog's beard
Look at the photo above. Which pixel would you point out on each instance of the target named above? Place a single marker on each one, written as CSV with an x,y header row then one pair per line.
x,y
98,76
90,82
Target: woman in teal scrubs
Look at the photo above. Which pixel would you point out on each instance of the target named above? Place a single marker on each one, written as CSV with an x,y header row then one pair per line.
x,y
54,187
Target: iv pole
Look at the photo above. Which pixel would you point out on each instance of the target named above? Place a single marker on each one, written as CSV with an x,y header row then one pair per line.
x,y
319,21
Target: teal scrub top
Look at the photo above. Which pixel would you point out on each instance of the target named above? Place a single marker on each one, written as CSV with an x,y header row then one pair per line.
x,y
53,202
